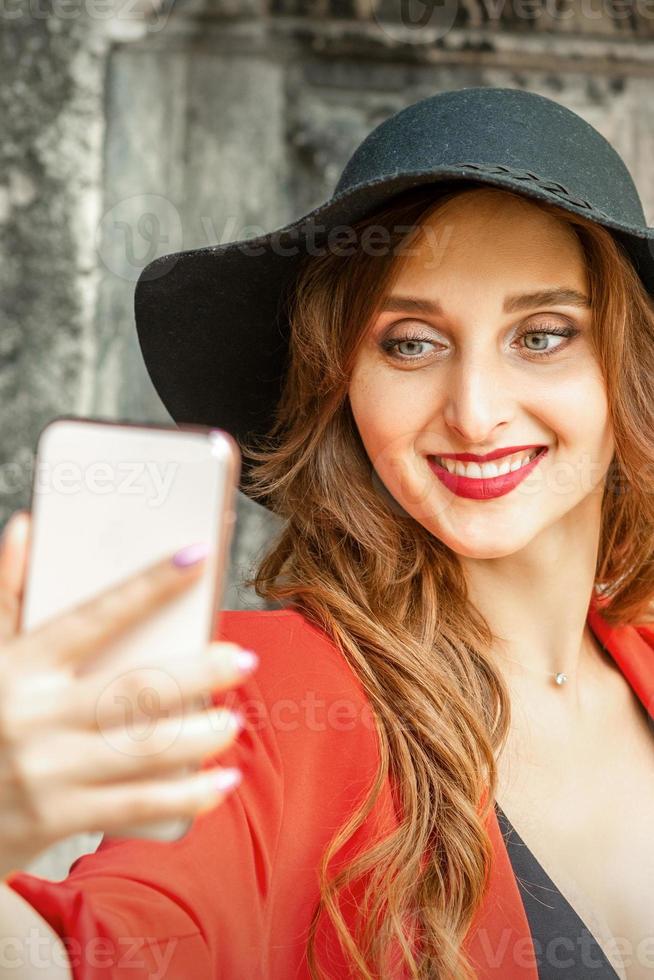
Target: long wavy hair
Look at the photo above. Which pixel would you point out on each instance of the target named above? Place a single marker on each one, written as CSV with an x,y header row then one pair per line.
x,y
393,598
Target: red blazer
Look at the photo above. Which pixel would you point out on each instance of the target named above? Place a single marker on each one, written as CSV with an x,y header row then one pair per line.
x,y
234,897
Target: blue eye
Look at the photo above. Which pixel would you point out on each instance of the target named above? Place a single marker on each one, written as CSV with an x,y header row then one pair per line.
x,y
568,332
391,344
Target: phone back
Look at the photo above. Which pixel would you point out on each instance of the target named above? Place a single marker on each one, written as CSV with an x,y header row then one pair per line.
x,y
109,499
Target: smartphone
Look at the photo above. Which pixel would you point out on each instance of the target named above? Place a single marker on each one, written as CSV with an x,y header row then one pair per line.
x,y
110,498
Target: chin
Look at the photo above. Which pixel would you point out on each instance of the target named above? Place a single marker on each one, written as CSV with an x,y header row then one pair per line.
x,y
483,545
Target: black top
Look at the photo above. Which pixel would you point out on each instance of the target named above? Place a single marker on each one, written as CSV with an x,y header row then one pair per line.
x,y
564,948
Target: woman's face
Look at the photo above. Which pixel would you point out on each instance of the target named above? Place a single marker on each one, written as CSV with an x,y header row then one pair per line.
x,y
486,369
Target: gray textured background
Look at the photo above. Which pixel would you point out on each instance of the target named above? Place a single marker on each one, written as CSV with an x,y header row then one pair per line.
x,y
131,130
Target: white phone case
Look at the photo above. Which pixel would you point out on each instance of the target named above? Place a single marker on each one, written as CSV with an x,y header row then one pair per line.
x,y
110,498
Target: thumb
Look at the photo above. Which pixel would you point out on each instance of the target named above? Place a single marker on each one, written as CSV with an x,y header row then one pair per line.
x,y
14,548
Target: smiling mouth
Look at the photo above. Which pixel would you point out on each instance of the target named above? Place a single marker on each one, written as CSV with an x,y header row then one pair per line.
x,y
498,467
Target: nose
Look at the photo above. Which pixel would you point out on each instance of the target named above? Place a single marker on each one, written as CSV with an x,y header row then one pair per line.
x,y
478,401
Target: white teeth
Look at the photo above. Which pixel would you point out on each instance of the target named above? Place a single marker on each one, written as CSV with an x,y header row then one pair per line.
x,y
487,470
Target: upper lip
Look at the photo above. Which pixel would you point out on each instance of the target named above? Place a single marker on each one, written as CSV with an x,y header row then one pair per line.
x,y
494,454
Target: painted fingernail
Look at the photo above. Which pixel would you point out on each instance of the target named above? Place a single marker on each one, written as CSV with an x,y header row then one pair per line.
x,y
225,779
191,554
246,660
239,720
219,781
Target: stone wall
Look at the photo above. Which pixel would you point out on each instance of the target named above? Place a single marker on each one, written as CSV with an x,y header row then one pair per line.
x,y
133,128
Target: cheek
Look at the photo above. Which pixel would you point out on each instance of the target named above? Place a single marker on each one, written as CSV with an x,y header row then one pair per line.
x,y
577,411
386,414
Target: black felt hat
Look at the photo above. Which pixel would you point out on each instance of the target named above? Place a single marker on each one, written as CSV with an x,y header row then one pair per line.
x,y
209,320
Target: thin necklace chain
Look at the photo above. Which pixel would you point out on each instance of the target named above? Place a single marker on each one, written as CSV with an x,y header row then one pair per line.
x,y
558,677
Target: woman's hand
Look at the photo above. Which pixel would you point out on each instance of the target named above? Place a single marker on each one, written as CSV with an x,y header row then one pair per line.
x,y
67,761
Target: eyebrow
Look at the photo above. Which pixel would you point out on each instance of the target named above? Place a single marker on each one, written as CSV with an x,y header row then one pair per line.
x,y
515,303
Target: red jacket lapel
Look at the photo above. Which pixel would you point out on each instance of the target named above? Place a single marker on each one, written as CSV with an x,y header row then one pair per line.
x,y
499,940
632,648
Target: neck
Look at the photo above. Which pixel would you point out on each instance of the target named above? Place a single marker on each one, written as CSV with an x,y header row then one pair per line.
x,y
536,603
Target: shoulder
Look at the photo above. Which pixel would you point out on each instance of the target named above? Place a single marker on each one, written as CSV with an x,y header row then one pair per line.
x,y
632,647
294,654
304,700
276,628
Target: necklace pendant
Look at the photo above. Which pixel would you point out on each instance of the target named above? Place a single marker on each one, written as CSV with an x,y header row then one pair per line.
x,y
560,678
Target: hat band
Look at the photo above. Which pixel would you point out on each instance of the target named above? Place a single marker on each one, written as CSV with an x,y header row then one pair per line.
x,y
547,185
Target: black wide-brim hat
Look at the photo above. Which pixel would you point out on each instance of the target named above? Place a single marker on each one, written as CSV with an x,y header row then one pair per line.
x,y
209,320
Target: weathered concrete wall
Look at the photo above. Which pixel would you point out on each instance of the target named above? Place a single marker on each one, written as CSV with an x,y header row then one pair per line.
x,y
51,106
150,130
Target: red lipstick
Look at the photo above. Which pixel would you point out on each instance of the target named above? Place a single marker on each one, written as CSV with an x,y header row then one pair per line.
x,y
484,488
495,454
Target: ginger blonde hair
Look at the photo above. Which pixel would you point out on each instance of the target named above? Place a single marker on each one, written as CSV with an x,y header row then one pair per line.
x,y
393,598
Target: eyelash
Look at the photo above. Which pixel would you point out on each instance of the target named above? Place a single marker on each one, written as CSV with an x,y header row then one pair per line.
x,y
390,344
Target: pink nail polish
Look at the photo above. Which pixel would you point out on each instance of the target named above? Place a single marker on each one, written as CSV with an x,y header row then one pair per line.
x,y
246,660
240,720
225,779
191,554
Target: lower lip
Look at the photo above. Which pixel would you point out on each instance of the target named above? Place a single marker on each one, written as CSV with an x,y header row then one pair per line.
x,y
483,488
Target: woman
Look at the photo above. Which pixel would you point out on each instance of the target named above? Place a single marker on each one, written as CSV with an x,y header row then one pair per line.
x,y
457,656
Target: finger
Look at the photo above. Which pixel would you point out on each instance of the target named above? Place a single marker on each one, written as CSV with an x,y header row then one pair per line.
x,y
108,808
122,754
66,639
99,699
14,548
13,551
53,699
